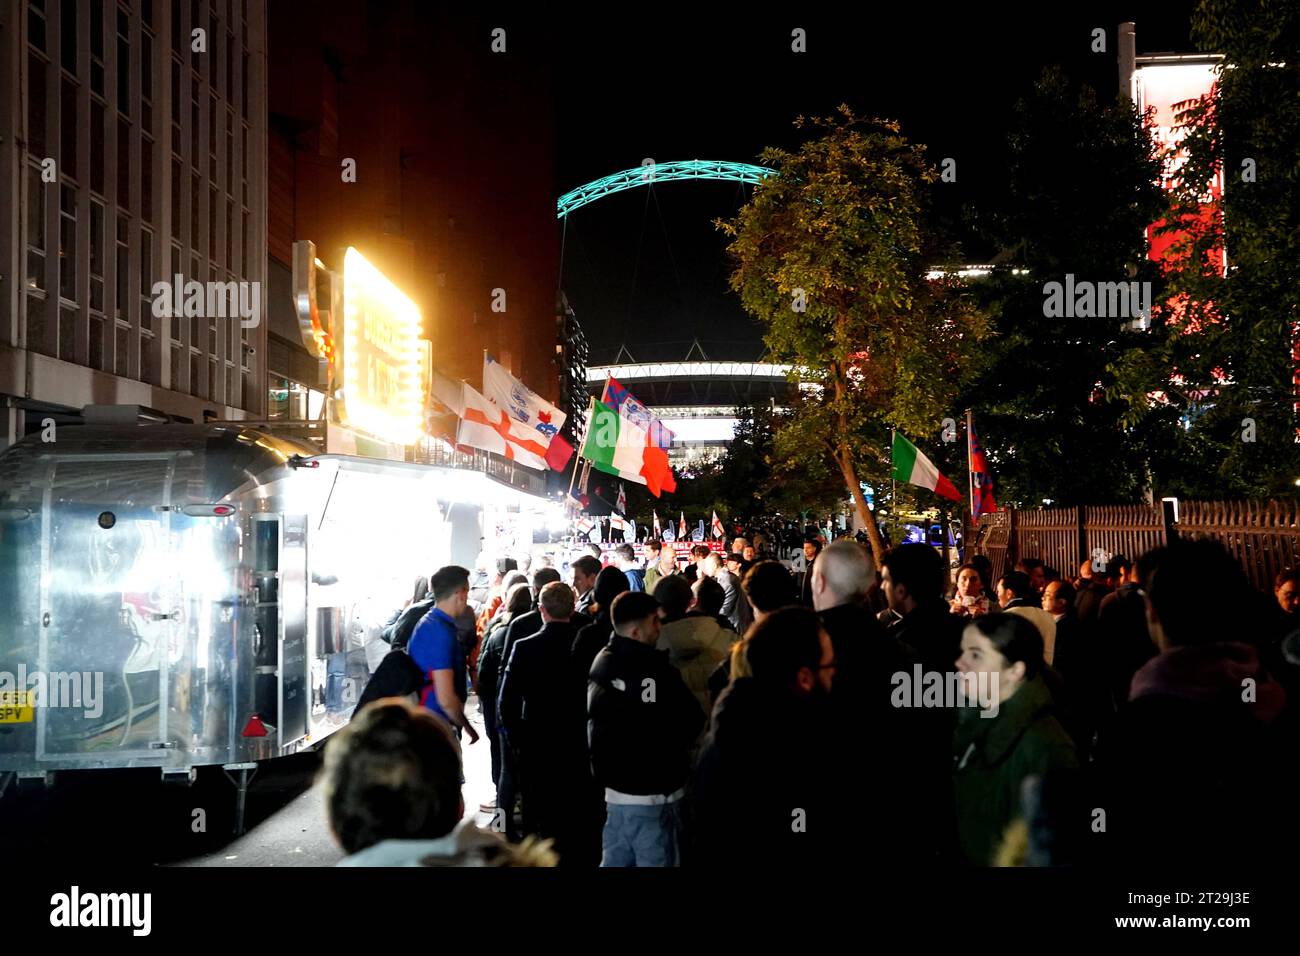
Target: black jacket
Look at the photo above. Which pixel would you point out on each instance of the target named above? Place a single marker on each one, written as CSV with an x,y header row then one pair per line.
x,y
526,625
762,793
907,777
590,640
399,632
933,633
642,720
540,707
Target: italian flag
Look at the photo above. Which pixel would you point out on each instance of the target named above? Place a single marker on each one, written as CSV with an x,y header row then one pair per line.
x,y
619,445
915,469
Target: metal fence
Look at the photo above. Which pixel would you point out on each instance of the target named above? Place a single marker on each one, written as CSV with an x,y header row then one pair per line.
x,y
1264,536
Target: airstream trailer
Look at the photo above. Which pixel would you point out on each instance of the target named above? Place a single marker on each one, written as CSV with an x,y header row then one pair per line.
x,y
173,596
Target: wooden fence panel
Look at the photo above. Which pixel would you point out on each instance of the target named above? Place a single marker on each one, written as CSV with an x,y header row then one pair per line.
x,y
1263,535
1049,534
1130,530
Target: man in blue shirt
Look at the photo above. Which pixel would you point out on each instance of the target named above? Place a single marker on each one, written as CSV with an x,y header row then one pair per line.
x,y
436,650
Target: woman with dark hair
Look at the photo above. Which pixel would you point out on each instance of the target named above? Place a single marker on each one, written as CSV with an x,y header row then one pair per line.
x,y
1012,734
984,566
969,600
610,583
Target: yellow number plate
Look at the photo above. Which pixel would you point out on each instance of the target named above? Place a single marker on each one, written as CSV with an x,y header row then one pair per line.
x,y
17,706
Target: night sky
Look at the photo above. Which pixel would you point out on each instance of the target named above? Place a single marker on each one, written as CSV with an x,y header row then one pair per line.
x,y
646,267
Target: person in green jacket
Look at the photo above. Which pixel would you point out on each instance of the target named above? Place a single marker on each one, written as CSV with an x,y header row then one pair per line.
x,y
1011,735
660,562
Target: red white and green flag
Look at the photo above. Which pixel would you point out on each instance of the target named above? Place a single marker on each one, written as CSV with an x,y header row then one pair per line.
x,y
620,443
914,468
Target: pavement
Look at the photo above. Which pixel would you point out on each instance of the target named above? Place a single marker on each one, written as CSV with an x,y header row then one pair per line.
x,y
297,834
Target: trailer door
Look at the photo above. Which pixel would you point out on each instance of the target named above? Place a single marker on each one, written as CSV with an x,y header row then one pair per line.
x,y
109,596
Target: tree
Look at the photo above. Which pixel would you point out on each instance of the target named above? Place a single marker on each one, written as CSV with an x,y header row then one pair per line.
x,y
1082,186
1222,357
829,257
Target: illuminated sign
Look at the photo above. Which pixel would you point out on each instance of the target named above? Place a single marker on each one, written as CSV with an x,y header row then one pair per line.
x,y
380,360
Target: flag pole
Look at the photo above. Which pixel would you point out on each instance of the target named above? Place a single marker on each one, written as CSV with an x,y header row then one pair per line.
x,y
577,458
970,465
893,484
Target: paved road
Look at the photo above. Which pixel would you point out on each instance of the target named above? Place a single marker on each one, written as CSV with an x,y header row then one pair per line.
x,y
131,818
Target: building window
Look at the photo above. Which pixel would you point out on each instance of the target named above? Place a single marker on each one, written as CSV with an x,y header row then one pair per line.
x,y
178,180
68,36
213,140
195,126
243,85
176,25
68,127
123,266
96,255
96,355
122,352
97,47
146,280
195,196
230,151
35,229
214,213
68,242
97,133
36,24
123,62
146,79
196,21
147,157
37,339
196,382
147,373
36,106
68,334
123,162
176,368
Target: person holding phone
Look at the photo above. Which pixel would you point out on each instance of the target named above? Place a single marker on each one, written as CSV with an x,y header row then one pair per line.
x,y
969,599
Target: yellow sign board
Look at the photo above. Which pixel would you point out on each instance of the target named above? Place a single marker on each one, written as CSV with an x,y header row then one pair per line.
x,y
380,360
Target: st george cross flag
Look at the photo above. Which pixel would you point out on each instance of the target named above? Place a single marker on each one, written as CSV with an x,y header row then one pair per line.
x,y
533,421
681,528
483,425
584,525
980,475
716,527
621,503
658,532
914,468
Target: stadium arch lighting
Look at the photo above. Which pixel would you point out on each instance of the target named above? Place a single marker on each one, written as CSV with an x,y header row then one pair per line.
x,y
659,173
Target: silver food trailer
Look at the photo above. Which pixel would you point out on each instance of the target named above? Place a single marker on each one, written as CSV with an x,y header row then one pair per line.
x,y
174,596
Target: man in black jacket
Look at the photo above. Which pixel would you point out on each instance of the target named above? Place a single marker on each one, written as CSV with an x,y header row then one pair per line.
x,y
912,580
543,725
642,721
907,780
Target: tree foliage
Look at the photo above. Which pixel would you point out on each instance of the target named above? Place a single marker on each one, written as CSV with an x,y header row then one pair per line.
x,y
830,258
1220,359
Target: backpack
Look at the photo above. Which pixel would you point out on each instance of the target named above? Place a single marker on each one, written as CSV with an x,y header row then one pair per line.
x,y
396,676
399,632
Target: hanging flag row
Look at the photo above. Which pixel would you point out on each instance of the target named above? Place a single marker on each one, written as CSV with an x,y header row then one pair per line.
x,y
507,418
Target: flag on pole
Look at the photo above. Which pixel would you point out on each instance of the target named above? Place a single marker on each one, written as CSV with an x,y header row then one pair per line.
x,y
621,503
622,439
616,523
914,468
716,527
533,421
981,477
585,524
483,425
658,532
681,528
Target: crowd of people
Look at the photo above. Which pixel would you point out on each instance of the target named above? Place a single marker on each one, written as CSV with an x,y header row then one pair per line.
x,y
729,713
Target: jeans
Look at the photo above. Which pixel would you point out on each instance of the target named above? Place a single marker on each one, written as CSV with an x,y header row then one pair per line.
x,y
642,836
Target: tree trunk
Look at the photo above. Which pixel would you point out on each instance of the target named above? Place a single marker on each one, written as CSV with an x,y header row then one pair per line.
x,y
865,514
